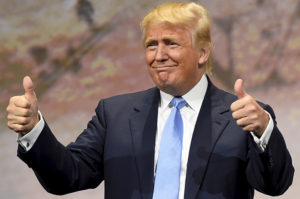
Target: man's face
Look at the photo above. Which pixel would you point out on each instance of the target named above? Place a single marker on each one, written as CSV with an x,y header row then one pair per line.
x,y
173,62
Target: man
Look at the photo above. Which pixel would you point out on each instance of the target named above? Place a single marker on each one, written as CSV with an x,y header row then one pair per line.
x,y
228,147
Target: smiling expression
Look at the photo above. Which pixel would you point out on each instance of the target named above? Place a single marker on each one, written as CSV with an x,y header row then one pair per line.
x,y
174,64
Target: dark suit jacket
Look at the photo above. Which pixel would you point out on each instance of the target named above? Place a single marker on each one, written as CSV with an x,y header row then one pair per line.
x,y
118,147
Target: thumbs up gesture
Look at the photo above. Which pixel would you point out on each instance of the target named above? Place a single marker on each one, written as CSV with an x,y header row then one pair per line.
x,y
22,111
247,112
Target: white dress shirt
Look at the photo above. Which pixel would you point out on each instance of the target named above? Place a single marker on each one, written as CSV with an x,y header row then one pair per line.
x,y
189,113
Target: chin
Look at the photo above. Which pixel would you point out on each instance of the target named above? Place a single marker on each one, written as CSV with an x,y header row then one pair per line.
x,y
170,90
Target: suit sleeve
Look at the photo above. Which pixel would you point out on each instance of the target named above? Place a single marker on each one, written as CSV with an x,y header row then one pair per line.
x,y
78,166
270,172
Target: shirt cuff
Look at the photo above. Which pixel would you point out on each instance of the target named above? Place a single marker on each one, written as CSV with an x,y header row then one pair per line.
x,y
263,141
28,140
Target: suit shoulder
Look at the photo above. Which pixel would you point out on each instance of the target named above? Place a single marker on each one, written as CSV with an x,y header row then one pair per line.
x,y
226,97
130,98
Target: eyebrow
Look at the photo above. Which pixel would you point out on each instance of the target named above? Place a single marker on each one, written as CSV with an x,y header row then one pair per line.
x,y
148,40
166,38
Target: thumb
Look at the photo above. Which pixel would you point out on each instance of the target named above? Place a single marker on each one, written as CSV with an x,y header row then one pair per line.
x,y
239,89
28,87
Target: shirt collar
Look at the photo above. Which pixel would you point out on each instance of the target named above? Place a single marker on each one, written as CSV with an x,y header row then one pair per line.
x,y
194,97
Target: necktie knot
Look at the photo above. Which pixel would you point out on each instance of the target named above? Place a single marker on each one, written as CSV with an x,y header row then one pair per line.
x,y
178,102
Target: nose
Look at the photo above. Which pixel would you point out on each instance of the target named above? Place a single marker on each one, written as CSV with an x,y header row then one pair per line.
x,y
161,53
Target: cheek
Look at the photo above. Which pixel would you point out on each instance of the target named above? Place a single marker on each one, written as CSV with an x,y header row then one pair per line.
x,y
151,72
175,55
179,56
149,57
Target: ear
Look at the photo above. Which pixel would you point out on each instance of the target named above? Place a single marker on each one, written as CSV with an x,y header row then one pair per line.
x,y
204,55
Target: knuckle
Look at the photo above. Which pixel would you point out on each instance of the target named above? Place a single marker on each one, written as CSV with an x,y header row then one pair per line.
x,y
12,99
254,107
8,109
234,115
23,120
246,129
247,99
251,108
9,117
19,128
27,112
239,122
25,104
255,117
233,108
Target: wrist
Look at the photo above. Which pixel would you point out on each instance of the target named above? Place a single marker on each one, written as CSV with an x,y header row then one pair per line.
x,y
264,125
34,124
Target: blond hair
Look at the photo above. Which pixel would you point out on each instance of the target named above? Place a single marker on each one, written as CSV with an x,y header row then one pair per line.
x,y
191,15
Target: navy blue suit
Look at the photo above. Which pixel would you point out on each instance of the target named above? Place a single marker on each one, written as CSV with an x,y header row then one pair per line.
x,y
118,147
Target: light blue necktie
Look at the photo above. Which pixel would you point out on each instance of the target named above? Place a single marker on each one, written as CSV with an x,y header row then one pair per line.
x,y
167,179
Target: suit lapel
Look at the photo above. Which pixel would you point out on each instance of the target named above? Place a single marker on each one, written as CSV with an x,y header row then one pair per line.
x,y
209,127
143,124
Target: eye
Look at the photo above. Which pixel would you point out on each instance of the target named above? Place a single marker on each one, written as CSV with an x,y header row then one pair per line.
x,y
172,44
151,45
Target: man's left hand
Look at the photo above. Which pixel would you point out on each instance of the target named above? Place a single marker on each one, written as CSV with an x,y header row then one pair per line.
x,y
247,112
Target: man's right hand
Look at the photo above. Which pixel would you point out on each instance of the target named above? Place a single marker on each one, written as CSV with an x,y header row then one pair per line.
x,y
22,111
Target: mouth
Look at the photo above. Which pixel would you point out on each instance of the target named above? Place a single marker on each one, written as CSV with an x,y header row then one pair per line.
x,y
163,68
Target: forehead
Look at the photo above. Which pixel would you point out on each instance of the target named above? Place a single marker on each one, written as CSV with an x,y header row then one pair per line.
x,y
166,30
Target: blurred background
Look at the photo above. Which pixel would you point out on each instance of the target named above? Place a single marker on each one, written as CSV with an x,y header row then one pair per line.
x,y
79,51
